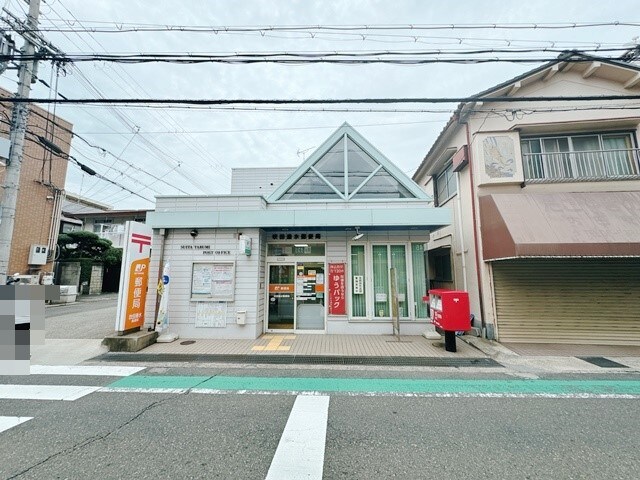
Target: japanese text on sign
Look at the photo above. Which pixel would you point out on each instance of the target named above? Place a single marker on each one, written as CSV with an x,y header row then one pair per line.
x,y
336,287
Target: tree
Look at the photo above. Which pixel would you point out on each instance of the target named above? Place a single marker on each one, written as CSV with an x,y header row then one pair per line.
x,y
83,244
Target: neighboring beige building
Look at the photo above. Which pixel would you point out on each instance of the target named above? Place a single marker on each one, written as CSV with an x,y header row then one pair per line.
x,y
42,181
81,213
546,200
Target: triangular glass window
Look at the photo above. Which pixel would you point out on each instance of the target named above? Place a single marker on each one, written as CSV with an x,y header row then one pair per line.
x,y
361,165
382,185
310,187
359,173
331,165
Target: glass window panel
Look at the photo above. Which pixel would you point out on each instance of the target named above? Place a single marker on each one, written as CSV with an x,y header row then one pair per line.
x,y
383,185
586,143
360,165
446,185
310,187
380,281
452,188
289,249
588,159
331,165
419,277
358,300
399,262
557,159
441,189
618,155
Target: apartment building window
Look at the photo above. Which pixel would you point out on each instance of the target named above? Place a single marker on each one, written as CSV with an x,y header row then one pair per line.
x,y
584,156
445,184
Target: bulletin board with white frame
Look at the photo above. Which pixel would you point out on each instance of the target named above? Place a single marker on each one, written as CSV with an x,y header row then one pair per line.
x,y
213,281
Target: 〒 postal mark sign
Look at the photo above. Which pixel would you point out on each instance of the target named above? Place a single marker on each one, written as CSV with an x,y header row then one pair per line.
x,y
134,276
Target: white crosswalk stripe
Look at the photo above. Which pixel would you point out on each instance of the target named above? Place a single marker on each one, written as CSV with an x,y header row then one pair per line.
x,y
45,392
9,422
58,392
300,453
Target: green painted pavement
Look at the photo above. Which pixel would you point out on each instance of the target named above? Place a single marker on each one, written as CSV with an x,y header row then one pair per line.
x,y
386,385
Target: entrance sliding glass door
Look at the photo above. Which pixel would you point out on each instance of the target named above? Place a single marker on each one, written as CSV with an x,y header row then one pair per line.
x,y
281,297
310,298
296,296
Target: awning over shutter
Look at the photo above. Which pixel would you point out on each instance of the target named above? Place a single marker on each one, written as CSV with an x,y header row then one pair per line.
x,y
589,224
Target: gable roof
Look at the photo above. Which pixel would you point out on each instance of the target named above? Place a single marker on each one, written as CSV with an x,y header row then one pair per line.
x,y
561,63
383,162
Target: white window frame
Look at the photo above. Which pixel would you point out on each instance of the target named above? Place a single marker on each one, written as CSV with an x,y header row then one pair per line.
x,y
368,286
442,201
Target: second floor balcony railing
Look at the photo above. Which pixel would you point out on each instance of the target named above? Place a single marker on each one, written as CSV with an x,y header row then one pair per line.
x,y
585,165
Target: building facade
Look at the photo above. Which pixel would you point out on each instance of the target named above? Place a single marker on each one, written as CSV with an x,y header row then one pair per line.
x,y
81,213
546,202
324,248
42,180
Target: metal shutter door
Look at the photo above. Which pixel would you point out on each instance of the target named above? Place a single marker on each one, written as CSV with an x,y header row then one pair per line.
x,y
582,301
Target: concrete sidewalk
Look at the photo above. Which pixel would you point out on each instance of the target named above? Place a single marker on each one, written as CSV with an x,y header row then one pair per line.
x,y
318,345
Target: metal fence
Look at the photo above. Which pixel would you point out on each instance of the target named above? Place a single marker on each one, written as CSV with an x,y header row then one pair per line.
x,y
602,164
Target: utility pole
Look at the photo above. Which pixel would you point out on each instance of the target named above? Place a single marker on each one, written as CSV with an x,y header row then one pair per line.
x,y
17,133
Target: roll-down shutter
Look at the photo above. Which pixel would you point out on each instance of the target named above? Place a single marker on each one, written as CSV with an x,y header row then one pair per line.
x,y
583,301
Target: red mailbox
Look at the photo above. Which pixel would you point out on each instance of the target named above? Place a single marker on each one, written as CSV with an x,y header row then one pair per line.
x,y
450,312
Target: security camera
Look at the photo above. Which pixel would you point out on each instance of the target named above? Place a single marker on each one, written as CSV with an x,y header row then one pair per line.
x,y
194,232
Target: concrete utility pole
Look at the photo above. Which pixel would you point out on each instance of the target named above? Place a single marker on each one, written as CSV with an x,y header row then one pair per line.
x,y
18,129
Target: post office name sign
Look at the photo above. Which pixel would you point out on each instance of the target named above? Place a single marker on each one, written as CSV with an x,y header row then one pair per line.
x,y
206,250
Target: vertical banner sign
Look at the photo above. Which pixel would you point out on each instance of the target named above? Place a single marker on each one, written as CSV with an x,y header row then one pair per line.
x,y
162,322
336,286
134,276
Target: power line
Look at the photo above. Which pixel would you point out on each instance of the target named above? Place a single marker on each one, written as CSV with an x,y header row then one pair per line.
x,y
286,58
314,101
84,168
271,129
100,149
165,120
125,27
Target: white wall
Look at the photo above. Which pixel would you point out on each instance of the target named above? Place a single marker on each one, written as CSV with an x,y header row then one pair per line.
x,y
258,181
182,310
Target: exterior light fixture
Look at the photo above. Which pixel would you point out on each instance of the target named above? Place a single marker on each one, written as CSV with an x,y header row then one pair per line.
x,y
358,235
194,232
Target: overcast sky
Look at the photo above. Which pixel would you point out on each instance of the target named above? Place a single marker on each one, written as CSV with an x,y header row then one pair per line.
x,y
207,144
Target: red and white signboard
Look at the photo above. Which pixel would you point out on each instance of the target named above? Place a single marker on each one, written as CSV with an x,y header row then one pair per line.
x,y
134,276
336,286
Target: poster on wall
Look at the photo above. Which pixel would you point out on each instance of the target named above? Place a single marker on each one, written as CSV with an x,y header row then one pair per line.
x,y
211,314
336,286
134,277
201,279
213,280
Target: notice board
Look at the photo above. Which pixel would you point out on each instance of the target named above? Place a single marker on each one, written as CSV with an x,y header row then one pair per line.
x,y
213,281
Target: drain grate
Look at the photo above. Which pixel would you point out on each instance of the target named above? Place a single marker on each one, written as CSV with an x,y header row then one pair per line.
x,y
300,360
603,362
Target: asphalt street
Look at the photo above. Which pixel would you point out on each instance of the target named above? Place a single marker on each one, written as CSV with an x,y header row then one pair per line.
x,y
176,431
90,317
168,420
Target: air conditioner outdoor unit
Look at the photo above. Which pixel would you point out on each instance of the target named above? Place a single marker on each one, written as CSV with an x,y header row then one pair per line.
x,y
38,254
